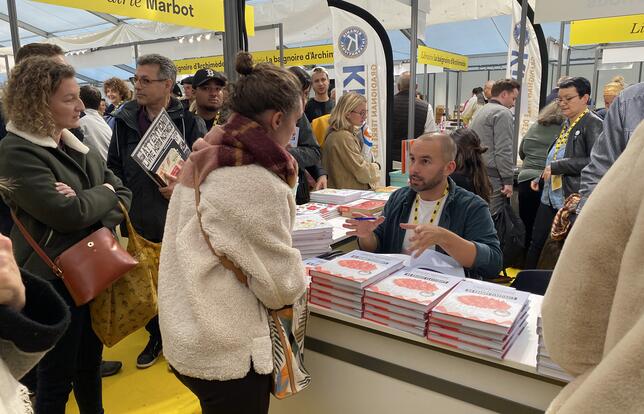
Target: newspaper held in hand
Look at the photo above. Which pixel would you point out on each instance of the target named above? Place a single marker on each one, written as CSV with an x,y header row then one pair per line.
x,y
162,150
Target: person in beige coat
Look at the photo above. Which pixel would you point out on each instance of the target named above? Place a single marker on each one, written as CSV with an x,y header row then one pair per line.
x,y
214,328
342,154
593,311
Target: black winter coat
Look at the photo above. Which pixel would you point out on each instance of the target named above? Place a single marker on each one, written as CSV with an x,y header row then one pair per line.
x,y
149,207
577,154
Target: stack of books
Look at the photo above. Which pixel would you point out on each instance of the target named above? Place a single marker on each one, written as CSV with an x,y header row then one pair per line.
x,y
335,196
404,299
479,317
339,284
545,365
362,206
377,196
308,265
312,235
326,211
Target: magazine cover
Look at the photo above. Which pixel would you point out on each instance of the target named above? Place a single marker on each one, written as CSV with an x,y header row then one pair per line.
x,y
162,150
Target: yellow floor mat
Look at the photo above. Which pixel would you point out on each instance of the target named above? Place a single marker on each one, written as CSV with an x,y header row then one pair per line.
x,y
154,390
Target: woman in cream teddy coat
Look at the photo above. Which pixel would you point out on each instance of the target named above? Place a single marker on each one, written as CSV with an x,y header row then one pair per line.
x,y
593,312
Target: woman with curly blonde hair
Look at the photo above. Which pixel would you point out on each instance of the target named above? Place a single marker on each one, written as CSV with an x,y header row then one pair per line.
x,y
342,153
61,192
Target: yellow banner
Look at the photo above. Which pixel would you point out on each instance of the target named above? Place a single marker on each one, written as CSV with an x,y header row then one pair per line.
x,y
435,57
608,30
204,14
314,55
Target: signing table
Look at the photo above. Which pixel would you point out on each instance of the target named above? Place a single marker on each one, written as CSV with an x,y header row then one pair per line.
x,y
358,366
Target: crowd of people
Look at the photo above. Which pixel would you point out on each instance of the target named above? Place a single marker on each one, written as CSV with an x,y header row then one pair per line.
x,y
259,145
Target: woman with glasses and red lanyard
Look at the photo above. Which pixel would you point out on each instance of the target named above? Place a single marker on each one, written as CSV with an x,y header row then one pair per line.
x,y
567,156
342,155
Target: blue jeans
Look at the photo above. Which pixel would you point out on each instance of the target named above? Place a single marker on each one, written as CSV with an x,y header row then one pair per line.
x,y
74,363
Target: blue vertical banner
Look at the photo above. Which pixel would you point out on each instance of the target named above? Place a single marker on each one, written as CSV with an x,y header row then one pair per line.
x,y
531,88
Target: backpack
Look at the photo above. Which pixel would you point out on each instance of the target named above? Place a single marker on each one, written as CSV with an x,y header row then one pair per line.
x,y
511,233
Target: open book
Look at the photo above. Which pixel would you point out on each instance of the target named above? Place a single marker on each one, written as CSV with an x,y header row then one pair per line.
x,y
162,150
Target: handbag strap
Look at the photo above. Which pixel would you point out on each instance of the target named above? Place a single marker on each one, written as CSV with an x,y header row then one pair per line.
x,y
226,262
57,270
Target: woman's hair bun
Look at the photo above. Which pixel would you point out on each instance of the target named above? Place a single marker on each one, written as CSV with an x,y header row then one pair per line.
x,y
619,79
244,63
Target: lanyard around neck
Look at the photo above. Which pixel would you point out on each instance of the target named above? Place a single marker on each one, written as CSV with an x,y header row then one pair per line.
x,y
565,132
436,207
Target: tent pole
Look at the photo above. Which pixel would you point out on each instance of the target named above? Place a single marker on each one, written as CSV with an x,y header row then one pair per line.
x,y
639,78
232,42
568,61
517,106
446,93
434,92
280,30
413,50
6,64
426,79
598,50
459,78
13,26
560,53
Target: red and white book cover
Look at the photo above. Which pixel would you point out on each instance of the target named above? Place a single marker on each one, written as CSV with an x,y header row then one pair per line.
x,y
327,211
399,310
358,268
377,196
311,224
477,340
357,298
329,284
368,207
420,288
487,307
316,300
393,324
357,305
336,196
478,333
418,323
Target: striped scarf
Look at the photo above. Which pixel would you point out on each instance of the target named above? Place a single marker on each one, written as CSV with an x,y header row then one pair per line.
x,y
241,141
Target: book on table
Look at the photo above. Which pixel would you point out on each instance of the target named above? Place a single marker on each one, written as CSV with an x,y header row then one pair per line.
x,y
545,364
407,296
362,206
357,268
479,317
312,235
162,150
377,196
341,281
326,211
336,196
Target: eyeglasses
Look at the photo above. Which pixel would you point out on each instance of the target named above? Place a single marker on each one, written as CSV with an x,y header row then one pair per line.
x,y
361,113
563,99
144,81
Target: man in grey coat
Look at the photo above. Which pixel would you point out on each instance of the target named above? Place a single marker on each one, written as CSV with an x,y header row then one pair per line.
x,y
624,115
494,124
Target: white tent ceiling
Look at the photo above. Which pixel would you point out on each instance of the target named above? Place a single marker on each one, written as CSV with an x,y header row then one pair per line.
x,y
304,21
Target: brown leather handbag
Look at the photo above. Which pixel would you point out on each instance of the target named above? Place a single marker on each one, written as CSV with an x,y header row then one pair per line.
x,y
88,267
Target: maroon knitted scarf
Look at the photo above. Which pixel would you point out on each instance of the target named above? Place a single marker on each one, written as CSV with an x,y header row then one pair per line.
x,y
241,141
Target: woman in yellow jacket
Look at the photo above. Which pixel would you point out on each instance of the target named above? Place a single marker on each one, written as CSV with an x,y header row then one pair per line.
x,y
342,155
